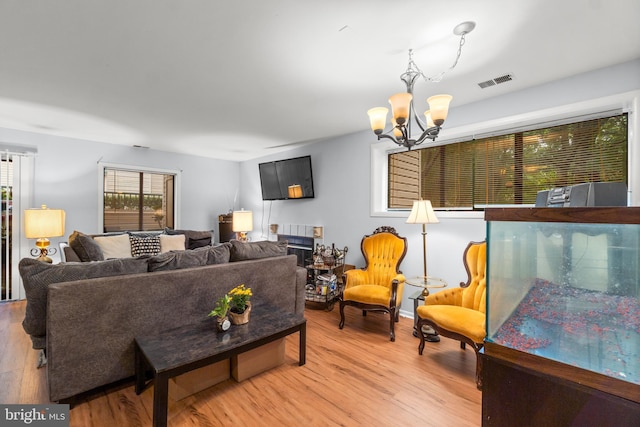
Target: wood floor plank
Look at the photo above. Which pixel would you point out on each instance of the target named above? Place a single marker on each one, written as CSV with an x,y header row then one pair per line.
x,y
354,376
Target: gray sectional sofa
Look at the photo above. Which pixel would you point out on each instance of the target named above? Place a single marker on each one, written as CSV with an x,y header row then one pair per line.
x,y
86,314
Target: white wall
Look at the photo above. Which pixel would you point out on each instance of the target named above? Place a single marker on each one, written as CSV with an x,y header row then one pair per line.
x,y
341,171
66,177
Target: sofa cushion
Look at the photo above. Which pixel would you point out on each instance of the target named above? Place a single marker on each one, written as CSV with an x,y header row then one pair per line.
x,y
85,247
193,239
219,254
140,246
198,257
37,276
172,243
117,246
175,260
241,251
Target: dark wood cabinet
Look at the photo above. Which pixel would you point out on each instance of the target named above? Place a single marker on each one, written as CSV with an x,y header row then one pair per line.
x,y
519,389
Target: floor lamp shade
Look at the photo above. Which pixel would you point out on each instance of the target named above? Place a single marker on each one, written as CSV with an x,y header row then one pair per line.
x,y
422,213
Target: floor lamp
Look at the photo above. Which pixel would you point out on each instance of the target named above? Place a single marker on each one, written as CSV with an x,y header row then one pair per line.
x,y
422,213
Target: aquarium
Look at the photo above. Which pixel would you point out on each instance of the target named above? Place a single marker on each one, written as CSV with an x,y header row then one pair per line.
x,y
565,285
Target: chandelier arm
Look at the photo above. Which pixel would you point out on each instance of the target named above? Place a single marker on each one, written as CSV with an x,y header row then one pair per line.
x,y
421,124
384,135
430,133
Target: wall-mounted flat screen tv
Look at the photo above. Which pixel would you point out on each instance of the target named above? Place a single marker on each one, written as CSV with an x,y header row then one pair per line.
x,y
287,179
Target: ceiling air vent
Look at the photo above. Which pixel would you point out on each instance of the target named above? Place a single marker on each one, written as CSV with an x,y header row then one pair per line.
x,y
496,81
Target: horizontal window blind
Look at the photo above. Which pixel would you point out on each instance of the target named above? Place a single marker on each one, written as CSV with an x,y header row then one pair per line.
x,y
512,168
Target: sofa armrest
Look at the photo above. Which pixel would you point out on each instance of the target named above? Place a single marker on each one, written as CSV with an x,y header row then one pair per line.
x,y
67,254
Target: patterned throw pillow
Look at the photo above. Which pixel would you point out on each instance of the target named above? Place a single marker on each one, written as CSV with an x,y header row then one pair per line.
x,y
144,245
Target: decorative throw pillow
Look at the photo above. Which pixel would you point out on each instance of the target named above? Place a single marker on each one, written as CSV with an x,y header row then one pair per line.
x,y
172,243
241,251
193,239
85,247
193,243
118,246
144,245
37,276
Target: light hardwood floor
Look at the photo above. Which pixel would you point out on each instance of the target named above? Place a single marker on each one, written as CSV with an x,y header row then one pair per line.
x,y
352,377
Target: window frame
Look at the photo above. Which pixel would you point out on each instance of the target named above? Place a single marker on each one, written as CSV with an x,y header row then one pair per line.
x,y
144,169
628,102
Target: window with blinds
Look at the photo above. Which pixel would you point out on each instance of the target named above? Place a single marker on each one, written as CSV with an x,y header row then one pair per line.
x,y
510,169
137,200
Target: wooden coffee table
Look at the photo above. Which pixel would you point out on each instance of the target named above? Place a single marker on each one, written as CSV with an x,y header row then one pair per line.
x,y
176,351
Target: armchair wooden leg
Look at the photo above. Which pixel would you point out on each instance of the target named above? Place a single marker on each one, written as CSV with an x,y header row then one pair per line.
x,y
392,317
421,335
478,371
341,325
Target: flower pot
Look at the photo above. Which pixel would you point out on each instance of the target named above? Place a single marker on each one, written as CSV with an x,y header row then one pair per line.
x,y
240,318
222,324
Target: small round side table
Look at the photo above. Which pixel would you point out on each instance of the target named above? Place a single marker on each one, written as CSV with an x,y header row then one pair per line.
x,y
430,283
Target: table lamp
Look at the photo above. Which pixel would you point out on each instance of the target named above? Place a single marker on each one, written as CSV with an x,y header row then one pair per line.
x,y
41,224
422,213
242,223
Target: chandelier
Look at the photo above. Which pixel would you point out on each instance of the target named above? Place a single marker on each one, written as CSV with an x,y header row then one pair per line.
x,y
402,108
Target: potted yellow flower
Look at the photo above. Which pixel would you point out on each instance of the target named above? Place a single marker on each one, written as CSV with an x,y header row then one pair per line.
x,y
240,306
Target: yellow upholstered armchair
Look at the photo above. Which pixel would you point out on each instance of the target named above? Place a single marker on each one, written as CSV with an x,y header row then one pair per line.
x,y
379,285
459,313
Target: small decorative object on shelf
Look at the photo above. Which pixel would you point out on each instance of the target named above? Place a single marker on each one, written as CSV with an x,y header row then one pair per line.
x,y
220,313
240,306
317,256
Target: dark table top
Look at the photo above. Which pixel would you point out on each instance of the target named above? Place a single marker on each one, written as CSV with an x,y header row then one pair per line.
x,y
177,347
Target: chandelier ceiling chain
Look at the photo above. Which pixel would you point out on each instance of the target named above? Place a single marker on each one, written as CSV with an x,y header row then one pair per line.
x,y
402,103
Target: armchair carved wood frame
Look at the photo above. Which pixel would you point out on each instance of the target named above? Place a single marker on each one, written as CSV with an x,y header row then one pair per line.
x,y
459,313
377,287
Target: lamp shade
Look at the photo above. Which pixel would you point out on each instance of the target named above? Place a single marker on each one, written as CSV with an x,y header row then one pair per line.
x,y
43,222
400,105
378,118
422,213
439,106
242,221
428,119
295,191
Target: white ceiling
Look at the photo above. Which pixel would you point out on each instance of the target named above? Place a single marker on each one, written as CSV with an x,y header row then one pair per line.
x,y
245,78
